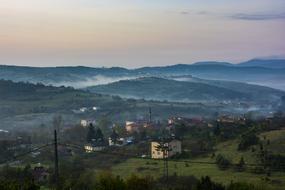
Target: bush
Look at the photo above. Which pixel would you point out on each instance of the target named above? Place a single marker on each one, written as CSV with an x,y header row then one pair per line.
x,y
258,170
206,184
241,165
15,185
243,186
136,183
222,162
248,140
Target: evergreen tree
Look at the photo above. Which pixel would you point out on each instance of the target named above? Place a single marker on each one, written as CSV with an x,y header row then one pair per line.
x,y
99,137
241,164
91,134
114,136
217,130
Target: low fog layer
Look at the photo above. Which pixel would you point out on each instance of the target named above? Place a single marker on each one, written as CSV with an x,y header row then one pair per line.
x,y
93,81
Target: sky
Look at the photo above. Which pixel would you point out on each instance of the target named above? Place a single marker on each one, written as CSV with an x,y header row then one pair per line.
x,y
136,33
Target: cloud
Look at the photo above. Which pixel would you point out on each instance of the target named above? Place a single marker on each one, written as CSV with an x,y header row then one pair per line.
x,y
246,16
187,12
203,13
184,12
239,16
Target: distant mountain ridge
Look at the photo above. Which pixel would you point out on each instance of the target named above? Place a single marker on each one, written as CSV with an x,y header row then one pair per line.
x,y
254,71
213,63
273,63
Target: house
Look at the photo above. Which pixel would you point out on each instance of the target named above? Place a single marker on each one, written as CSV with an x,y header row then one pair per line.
x,y
114,138
121,141
186,121
230,119
94,147
86,123
132,126
83,109
94,108
173,146
40,174
137,126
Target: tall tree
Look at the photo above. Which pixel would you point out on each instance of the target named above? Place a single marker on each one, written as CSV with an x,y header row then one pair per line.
x,y
91,134
217,130
99,137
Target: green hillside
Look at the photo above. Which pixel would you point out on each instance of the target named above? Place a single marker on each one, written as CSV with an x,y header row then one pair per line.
x,y
196,167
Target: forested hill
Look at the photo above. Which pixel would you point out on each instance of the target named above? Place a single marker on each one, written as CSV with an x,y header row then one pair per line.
x,y
23,91
263,72
184,91
25,105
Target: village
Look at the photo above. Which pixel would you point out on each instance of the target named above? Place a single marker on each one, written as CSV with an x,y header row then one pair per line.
x,y
161,140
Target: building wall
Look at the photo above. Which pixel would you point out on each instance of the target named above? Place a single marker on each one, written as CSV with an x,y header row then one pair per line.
x,y
89,148
174,146
155,154
131,127
84,123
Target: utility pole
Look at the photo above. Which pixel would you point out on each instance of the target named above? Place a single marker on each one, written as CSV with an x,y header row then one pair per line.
x,y
164,163
164,148
150,115
56,174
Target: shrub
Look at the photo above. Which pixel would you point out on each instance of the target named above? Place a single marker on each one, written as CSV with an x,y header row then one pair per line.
x,y
241,165
248,140
243,186
222,162
207,184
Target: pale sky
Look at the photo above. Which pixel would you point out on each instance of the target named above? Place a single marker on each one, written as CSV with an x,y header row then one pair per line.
x,y
136,33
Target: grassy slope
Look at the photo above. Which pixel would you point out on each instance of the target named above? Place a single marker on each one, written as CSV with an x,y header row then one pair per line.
x,y
229,149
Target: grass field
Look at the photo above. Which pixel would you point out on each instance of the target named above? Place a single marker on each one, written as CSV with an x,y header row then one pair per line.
x,y
154,168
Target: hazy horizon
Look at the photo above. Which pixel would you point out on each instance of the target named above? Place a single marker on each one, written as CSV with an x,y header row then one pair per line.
x,y
138,67
135,34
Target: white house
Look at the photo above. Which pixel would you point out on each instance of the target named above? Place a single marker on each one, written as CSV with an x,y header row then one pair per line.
x,y
94,147
174,148
86,123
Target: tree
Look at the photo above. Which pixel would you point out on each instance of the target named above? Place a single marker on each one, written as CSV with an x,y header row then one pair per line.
x,y
76,134
99,137
283,101
248,140
241,164
207,184
104,124
136,183
222,162
241,186
114,136
217,130
91,134
108,181
17,178
180,130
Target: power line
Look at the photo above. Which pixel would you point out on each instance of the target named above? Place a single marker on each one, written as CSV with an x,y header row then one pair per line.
x,y
24,154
